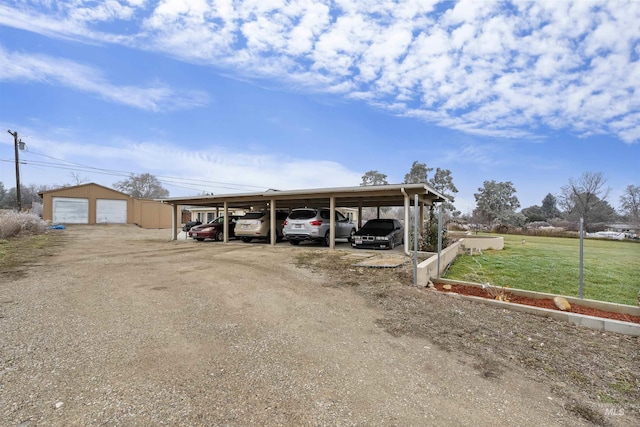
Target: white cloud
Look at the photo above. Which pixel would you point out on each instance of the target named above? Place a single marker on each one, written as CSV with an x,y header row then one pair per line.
x,y
183,170
59,71
104,11
484,67
62,22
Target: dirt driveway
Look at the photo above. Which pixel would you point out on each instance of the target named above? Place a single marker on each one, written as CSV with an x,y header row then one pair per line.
x,y
119,326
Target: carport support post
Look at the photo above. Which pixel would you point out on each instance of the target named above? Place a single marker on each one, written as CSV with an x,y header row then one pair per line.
x,y
581,256
225,224
407,205
332,222
273,232
174,222
439,237
415,241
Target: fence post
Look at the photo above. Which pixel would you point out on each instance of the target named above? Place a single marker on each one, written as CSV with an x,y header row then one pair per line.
x,y
581,256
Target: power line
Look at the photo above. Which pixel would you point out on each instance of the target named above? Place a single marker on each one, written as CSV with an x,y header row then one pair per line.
x,y
158,176
169,183
169,180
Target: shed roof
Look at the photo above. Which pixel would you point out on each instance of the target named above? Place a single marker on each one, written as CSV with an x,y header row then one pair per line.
x,y
365,196
82,186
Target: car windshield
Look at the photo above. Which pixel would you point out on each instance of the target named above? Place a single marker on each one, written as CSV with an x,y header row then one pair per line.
x,y
220,220
380,225
302,214
253,215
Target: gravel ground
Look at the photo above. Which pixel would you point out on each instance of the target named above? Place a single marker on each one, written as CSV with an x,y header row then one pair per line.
x,y
115,325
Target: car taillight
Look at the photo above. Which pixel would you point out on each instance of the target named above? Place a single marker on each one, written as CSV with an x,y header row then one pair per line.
x,y
315,222
285,222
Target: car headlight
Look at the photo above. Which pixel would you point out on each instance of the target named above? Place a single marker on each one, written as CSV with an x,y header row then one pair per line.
x,y
385,238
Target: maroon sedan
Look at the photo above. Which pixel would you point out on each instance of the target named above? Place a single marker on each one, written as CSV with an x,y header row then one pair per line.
x,y
214,229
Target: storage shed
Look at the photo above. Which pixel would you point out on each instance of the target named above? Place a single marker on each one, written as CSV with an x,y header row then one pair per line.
x,y
95,204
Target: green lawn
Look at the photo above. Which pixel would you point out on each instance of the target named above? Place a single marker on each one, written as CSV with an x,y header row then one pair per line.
x,y
551,264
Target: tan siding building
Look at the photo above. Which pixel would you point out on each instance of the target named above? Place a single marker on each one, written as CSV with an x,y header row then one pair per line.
x,y
94,204
151,214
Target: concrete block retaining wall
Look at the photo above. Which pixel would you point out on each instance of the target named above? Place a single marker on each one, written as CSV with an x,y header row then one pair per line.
x,y
428,268
592,322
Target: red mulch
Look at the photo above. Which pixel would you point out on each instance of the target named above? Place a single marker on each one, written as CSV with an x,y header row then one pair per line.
x,y
538,302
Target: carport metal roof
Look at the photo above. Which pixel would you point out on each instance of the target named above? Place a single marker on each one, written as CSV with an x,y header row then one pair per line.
x,y
346,197
361,196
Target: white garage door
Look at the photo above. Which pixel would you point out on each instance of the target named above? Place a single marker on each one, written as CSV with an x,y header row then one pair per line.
x,y
111,211
68,210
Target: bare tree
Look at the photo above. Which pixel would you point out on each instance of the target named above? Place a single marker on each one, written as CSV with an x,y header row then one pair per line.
x,y
630,205
28,194
144,186
581,197
76,179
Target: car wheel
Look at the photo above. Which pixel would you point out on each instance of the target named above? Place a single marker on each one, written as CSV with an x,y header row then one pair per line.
x,y
246,239
351,234
294,242
327,239
200,239
219,236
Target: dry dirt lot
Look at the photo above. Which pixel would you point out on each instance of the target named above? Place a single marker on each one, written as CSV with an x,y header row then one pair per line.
x,y
115,325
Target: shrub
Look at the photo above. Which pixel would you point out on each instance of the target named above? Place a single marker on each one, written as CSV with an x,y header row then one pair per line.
x,y
15,223
428,237
456,226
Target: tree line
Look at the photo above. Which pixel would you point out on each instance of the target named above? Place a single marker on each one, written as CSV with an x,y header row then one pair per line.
x,y
497,204
584,197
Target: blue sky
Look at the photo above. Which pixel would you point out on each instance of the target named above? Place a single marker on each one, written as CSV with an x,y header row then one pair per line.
x,y
231,96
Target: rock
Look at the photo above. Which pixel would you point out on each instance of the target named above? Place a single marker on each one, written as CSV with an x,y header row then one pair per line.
x,y
432,286
447,287
562,303
59,405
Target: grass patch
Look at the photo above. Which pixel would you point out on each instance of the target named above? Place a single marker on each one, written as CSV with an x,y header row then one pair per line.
x,y
18,251
551,264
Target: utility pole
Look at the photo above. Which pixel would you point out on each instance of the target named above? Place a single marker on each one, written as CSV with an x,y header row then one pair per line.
x,y
15,141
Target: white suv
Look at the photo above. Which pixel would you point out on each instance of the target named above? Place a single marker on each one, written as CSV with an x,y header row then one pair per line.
x,y
313,224
256,225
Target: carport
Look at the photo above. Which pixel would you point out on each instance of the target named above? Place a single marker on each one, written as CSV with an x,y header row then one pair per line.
x,y
374,196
